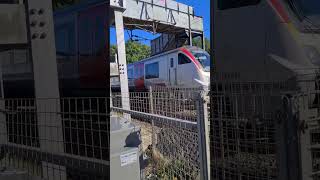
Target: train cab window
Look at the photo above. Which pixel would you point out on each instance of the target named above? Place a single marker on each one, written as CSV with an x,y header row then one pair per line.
x,y
152,70
183,59
228,4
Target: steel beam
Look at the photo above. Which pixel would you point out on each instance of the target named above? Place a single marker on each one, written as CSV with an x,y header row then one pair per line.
x,y
118,15
43,53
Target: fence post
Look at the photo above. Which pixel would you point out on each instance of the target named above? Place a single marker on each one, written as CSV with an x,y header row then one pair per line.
x,y
203,134
3,128
152,121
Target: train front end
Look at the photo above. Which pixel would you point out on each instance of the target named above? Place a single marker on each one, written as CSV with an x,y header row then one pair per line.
x,y
201,59
300,20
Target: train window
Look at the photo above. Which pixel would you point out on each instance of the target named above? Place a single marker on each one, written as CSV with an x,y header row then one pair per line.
x,y
65,40
61,37
130,74
171,62
183,59
228,4
152,70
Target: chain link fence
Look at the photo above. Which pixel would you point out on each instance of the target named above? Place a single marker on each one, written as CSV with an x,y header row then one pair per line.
x,y
169,121
263,130
58,139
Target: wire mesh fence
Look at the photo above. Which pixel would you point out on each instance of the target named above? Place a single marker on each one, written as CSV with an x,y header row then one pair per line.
x,y
169,131
263,130
57,139
167,101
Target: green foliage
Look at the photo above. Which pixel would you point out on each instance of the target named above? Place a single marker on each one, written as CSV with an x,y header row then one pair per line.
x,y
198,42
135,51
58,4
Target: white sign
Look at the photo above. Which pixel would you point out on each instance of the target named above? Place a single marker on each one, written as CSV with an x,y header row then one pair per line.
x,y
128,158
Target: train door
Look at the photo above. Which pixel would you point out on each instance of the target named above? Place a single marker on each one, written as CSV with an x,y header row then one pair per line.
x,y
172,69
187,71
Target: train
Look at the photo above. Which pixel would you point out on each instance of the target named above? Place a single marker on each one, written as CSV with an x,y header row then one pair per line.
x,y
187,67
269,42
81,49
266,40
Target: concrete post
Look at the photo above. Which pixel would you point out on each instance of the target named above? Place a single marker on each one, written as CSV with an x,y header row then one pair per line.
x,y
43,53
118,16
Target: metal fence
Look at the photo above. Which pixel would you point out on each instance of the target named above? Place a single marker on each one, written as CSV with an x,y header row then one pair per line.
x,y
56,139
172,131
265,130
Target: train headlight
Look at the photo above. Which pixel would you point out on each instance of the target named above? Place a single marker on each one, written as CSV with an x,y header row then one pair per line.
x,y
313,54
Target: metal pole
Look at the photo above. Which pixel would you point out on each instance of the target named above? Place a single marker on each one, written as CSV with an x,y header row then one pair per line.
x,y
118,15
190,33
152,121
3,123
203,134
304,114
212,41
203,41
43,54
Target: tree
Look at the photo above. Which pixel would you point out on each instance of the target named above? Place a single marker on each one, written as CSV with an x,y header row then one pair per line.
x,y
198,42
135,51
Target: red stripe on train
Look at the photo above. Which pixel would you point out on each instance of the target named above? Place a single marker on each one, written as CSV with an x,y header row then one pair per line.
x,y
276,5
190,55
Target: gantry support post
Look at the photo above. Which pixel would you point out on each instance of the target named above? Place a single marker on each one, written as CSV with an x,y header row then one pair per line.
x,y
118,16
43,53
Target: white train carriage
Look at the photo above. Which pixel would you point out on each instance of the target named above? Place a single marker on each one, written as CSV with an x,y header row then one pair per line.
x,y
182,67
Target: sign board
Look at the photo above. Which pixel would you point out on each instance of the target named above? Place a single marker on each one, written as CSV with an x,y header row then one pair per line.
x,y
128,158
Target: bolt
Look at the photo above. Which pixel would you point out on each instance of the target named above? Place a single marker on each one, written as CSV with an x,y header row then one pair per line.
x,y
43,35
41,11
35,35
32,11
33,23
42,24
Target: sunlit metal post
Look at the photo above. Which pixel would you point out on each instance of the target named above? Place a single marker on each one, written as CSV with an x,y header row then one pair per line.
x,y
190,31
152,121
203,134
118,16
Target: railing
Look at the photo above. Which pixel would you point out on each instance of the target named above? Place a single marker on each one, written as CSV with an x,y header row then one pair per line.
x,y
67,138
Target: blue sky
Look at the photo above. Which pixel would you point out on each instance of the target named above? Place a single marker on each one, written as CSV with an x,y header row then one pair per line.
x,y
201,8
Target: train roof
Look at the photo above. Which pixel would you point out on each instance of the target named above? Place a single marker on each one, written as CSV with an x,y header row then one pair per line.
x,y
190,48
79,7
